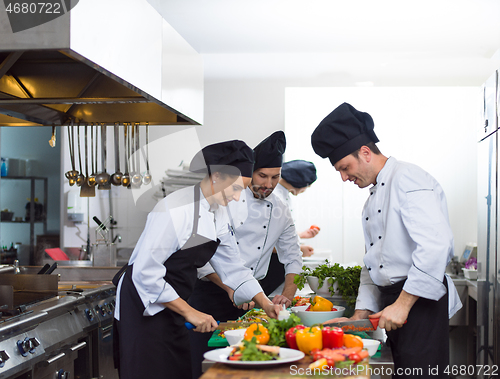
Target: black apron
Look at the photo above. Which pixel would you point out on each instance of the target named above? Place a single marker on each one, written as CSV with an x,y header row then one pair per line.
x,y
158,346
422,344
209,298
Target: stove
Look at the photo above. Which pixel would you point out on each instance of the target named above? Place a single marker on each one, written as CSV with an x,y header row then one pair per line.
x,y
58,336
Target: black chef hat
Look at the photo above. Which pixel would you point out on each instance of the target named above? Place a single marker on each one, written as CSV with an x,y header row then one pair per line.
x,y
342,132
299,173
269,153
230,157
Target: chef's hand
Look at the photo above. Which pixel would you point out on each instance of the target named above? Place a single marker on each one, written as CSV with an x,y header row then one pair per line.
x,y
244,306
204,322
395,315
309,233
280,299
307,250
271,309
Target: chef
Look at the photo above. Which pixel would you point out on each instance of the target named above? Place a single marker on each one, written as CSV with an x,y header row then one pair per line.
x,y
261,221
296,177
408,242
184,231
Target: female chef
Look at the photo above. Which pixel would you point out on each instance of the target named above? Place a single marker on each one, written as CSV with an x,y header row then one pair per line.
x,y
181,235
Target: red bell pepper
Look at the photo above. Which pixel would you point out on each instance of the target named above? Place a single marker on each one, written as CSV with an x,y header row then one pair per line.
x,y
333,337
290,336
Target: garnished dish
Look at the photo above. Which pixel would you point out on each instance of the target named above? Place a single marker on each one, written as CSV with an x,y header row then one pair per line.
x,y
252,351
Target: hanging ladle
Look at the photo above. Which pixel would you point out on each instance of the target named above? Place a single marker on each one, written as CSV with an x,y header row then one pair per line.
x,y
80,178
72,174
103,178
126,176
86,189
91,179
146,179
116,178
137,177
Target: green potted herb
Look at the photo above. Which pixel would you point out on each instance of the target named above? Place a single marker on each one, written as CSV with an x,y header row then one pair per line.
x,y
339,280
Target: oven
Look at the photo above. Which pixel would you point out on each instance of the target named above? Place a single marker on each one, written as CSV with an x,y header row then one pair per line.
x,y
67,336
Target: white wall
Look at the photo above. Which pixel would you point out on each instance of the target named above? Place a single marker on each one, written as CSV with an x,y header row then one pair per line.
x,y
433,127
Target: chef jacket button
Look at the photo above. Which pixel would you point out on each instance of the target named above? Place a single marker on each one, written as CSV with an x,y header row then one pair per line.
x,y
381,266
367,219
380,210
371,244
379,237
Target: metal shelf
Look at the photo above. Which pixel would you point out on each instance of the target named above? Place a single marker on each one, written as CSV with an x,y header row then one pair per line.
x,y
32,221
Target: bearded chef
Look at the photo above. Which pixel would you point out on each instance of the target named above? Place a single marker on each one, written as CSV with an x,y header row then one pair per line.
x,y
261,222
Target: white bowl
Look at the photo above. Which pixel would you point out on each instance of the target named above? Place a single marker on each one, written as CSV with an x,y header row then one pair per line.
x,y
234,336
324,289
309,318
470,273
371,346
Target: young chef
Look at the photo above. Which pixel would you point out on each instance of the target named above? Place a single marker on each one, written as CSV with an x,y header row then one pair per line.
x,y
408,243
296,177
182,233
261,221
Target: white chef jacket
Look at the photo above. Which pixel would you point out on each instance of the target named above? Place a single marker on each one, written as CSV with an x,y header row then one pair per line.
x,y
283,194
168,227
259,226
407,236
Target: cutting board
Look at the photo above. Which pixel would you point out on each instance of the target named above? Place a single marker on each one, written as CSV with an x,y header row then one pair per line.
x,y
217,341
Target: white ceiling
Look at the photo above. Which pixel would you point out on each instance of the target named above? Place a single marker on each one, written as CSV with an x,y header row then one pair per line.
x,y
342,42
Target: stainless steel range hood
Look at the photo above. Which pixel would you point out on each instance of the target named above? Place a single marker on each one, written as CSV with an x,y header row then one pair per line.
x,y
84,66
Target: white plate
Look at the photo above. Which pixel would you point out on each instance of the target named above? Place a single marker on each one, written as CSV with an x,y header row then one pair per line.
x,y
286,356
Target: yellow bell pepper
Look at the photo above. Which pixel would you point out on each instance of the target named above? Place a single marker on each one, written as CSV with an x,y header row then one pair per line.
x,y
258,331
309,339
321,304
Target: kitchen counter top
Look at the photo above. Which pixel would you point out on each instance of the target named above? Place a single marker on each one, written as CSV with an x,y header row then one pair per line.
x,y
296,369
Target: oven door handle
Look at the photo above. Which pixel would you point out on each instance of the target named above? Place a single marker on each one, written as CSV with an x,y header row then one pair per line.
x,y
79,346
55,358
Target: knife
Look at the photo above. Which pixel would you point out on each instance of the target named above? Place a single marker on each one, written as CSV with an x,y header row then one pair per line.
x,y
98,222
44,269
365,325
51,269
225,325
